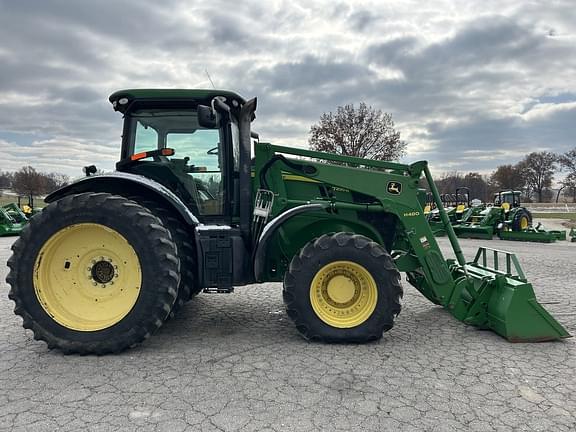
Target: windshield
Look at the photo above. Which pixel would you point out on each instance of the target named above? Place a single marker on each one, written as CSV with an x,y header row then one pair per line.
x,y
198,155
178,130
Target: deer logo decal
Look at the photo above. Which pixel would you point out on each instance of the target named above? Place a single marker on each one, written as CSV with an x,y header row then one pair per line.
x,y
395,188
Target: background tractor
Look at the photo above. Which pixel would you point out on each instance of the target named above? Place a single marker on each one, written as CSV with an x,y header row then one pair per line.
x,y
112,256
26,204
457,206
505,214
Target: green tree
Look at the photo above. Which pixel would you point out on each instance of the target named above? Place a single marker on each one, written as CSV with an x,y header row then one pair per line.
x,y
363,132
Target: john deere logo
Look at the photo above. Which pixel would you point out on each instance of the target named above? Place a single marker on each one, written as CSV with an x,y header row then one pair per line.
x,y
394,188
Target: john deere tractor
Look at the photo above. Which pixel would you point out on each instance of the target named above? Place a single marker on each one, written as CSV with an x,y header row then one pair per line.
x,y
505,215
26,204
457,207
113,256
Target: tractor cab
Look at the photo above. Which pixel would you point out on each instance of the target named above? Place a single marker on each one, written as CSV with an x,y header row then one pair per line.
x,y
188,141
509,199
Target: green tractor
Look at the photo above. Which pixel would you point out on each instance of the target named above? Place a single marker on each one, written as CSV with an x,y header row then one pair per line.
x,y
12,220
506,214
26,204
112,256
457,207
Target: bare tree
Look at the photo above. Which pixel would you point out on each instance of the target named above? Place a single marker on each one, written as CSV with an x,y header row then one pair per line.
x,y
449,181
55,181
475,182
568,163
28,181
538,171
364,132
507,177
477,185
6,179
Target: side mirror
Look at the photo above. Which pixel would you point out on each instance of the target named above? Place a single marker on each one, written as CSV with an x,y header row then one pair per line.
x,y
206,117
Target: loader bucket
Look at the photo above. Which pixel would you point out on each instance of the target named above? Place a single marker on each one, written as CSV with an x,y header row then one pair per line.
x,y
500,298
514,313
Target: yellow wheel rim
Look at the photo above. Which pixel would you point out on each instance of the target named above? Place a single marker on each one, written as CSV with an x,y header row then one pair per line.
x,y
523,222
87,277
343,294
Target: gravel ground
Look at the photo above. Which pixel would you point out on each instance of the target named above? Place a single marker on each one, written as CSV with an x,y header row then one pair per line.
x,y
236,363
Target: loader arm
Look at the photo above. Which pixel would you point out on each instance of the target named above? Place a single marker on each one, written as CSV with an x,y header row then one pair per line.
x,y
474,293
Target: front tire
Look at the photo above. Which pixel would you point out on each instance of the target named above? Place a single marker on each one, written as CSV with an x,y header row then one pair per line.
x,y
94,273
342,288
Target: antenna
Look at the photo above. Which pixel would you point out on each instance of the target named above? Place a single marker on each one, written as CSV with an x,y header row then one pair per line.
x,y
210,79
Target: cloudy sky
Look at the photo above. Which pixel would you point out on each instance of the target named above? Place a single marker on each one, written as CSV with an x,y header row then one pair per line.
x,y
470,84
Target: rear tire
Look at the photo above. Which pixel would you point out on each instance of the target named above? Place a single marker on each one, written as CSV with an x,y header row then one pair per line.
x,y
342,288
189,286
65,263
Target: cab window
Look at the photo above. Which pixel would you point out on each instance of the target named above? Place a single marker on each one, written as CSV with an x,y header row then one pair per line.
x,y
198,155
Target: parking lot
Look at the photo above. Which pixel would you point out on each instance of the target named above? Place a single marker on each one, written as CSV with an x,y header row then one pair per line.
x,y
236,363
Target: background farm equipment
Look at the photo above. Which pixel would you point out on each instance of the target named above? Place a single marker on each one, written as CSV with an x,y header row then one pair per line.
x,y
26,204
113,256
507,219
12,220
505,215
457,206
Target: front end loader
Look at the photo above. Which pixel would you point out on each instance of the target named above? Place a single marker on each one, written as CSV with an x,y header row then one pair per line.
x,y
188,210
489,292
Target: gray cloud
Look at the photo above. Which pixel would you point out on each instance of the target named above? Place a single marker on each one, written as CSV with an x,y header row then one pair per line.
x,y
473,88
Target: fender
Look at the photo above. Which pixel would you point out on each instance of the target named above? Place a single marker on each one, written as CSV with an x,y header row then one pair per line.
x,y
118,182
272,227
